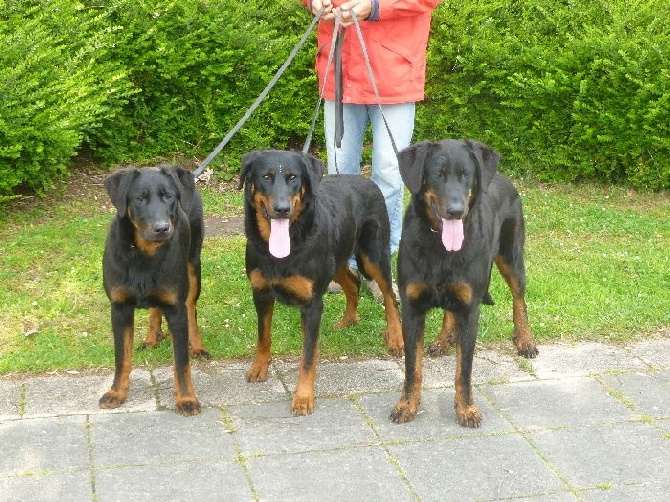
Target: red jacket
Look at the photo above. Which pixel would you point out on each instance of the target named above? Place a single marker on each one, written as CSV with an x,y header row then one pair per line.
x,y
396,45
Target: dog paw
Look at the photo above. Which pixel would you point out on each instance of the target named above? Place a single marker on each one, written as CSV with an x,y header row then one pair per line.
x,y
395,344
188,407
469,416
302,405
202,354
403,412
528,351
525,344
112,399
439,348
258,371
345,322
152,340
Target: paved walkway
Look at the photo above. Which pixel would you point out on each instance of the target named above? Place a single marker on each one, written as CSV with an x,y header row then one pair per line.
x,y
584,422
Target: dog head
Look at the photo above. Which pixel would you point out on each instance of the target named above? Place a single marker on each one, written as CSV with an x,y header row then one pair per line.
x,y
150,197
279,187
445,178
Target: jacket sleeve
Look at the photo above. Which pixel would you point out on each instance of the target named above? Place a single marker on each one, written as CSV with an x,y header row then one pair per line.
x,y
392,9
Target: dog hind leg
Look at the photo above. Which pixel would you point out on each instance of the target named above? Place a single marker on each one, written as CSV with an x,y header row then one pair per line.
x,y
382,276
350,286
515,278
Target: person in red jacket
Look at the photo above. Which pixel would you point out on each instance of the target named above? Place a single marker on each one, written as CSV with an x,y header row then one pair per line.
x,y
395,33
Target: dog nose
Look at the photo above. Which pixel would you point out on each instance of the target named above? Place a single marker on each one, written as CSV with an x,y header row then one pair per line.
x,y
282,209
161,227
455,212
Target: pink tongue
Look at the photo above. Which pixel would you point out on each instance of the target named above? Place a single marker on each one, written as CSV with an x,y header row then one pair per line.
x,y
280,243
452,234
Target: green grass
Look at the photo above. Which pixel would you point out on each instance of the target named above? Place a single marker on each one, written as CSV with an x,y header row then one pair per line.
x,y
597,261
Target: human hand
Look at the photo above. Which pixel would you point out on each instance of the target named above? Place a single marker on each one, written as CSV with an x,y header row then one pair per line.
x,y
361,8
328,14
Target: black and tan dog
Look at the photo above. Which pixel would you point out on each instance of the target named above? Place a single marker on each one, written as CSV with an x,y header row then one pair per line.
x,y
463,217
301,230
152,260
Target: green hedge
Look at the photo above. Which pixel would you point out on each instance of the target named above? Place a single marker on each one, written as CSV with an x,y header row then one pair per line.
x,y
57,84
198,65
566,90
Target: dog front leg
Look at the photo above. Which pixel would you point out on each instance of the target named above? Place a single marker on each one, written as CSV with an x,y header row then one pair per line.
x,y
258,371
303,398
123,322
466,323
413,327
187,403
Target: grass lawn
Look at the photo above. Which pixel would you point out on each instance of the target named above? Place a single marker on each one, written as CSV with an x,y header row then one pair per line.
x,y
597,261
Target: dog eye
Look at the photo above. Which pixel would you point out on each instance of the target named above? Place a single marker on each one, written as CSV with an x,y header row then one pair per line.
x,y
292,177
266,177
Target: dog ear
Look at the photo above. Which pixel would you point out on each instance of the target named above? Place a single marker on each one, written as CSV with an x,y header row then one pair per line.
x,y
185,183
314,170
117,185
410,162
247,160
487,162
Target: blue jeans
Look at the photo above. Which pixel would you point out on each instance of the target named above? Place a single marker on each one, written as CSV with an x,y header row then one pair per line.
x,y
385,172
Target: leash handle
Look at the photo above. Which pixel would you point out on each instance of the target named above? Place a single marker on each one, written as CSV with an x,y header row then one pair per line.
x,y
260,98
338,33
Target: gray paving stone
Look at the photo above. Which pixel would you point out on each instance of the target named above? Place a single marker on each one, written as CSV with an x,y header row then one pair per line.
x,y
649,393
653,352
334,475
158,437
270,428
211,480
10,399
650,491
590,358
217,385
47,487
621,453
588,422
71,394
43,444
222,383
476,468
557,403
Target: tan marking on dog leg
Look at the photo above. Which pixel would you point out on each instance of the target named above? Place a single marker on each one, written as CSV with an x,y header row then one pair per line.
x,y
408,406
447,337
467,413
258,371
350,286
116,396
522,337
154,333
187,403
303,398
194,339
393,333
